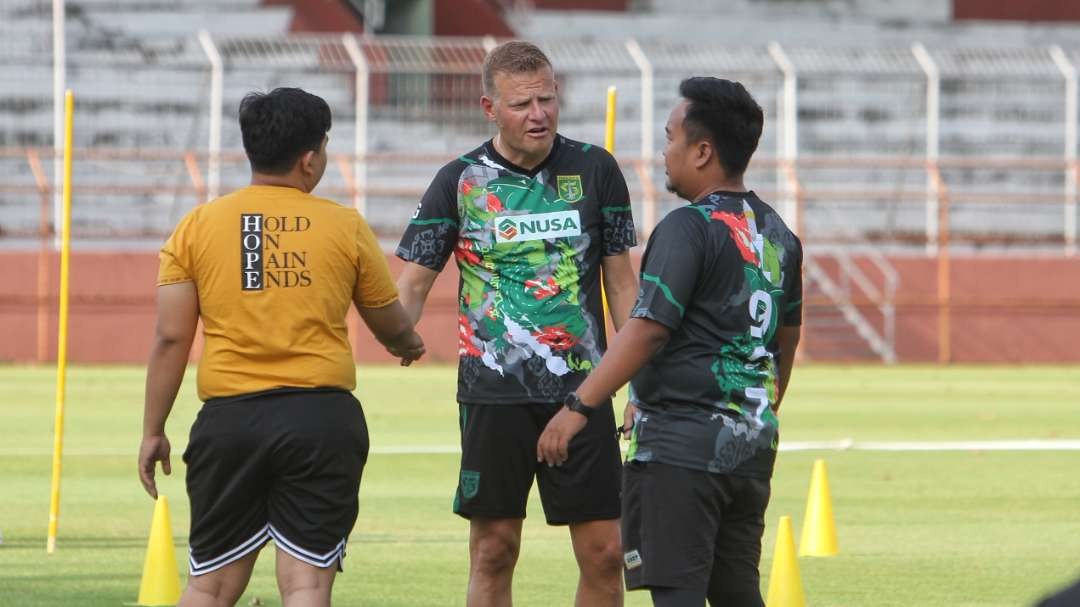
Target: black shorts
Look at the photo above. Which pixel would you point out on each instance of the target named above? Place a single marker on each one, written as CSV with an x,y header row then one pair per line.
x,y
694,530
282,465
498,463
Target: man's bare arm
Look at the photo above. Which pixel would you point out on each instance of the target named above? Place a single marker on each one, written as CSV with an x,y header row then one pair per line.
x,y
620,285
178,317
632,347
789,343
413,285
392,326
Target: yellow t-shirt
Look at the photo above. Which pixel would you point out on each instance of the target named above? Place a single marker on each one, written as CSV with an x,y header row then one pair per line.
x,y
276,270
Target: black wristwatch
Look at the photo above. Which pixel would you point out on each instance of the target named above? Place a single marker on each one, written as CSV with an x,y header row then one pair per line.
x,y
574,403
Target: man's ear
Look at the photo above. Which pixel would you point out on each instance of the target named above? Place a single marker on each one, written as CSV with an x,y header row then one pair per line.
x,y
307,160
703,154
489,107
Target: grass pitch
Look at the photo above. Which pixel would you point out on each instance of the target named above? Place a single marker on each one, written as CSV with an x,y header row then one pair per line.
x,y
970,528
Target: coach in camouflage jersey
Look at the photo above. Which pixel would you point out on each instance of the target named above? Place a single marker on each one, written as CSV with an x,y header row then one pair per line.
x,y
710,347
532,217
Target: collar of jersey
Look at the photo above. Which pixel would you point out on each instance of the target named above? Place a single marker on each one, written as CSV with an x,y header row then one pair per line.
x,y
726,194
489,148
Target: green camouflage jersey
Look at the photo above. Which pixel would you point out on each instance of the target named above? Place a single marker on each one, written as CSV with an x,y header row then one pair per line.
x,y
528,246
723,274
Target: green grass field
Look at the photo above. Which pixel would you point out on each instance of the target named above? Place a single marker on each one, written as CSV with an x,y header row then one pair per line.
x,y
968,528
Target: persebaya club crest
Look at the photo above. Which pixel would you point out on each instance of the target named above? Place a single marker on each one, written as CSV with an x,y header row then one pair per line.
x,y
570,188
470,483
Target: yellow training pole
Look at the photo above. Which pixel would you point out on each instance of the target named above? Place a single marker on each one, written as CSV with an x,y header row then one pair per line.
x,y
609,145
609,122
61,346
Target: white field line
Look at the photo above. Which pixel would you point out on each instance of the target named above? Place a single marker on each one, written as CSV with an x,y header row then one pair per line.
x,y
848,444
1055,444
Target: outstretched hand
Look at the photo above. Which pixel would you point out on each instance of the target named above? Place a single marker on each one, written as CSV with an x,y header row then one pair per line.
x,y
152,450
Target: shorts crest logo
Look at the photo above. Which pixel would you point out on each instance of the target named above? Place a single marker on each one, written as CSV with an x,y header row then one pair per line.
x,y
570,188
508,229
470,483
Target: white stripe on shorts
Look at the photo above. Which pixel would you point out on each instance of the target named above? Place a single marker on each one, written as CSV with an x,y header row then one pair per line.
x,y
311,558
245,548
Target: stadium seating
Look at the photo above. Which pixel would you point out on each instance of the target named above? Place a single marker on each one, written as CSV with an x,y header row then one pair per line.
x,y
142,81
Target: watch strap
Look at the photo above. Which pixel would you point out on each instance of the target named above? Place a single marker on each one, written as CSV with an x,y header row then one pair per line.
x,y
574,403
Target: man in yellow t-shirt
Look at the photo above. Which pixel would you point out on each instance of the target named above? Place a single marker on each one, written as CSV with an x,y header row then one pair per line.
x,y
278,449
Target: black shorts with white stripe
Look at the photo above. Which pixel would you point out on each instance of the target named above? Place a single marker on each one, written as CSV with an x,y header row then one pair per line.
x,y
283,465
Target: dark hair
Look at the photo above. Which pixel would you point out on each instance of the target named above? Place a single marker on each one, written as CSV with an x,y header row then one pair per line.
x,y
513,57
280,126
726,114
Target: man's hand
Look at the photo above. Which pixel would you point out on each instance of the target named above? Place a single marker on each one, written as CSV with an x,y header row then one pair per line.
x,y
553,446
409,353
152,450
394,329
628,417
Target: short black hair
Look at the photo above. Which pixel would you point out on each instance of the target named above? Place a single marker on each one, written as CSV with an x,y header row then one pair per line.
x,y
280,126
726,114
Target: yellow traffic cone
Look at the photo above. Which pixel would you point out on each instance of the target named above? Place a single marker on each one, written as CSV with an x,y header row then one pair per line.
x,y
819,528
785,584
160,577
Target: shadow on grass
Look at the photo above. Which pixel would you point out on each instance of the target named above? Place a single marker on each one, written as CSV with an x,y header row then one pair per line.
x,y
69,590
359,540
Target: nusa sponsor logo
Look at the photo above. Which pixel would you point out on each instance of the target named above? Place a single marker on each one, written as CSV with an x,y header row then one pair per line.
x,y
539,226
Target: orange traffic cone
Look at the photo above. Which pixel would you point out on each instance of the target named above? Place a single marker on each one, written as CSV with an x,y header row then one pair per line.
x,y
819,528
160,578
785,584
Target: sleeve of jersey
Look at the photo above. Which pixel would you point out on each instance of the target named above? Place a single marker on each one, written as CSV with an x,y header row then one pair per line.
x,y
433,229
670,269
618,229
794,291
374,286
174,260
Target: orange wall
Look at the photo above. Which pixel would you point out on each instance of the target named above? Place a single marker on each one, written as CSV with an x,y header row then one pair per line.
x,y
1005,310
112,311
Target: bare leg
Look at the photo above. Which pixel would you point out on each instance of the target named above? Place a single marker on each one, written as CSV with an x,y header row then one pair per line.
x,y
494,545
302,584
598,549
220,588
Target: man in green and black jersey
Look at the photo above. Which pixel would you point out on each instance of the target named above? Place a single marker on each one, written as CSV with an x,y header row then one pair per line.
x,y
532,218
710,346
